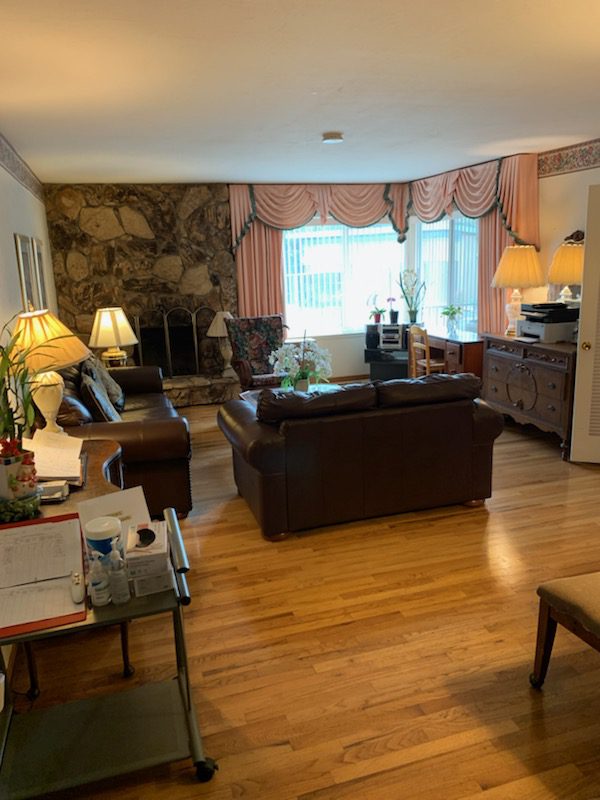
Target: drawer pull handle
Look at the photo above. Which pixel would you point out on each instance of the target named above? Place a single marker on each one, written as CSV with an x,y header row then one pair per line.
x,y
494,388
551,385
494,368
550,407
518,404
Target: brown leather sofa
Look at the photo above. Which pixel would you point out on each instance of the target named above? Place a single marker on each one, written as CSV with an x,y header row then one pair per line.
x,y
303,460
154,438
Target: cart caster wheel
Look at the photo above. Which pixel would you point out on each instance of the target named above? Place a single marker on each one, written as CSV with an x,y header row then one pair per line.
x,y
206,769
535,682
128,671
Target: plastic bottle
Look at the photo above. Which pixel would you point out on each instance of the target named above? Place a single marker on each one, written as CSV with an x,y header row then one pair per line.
x,y
117,577
99,588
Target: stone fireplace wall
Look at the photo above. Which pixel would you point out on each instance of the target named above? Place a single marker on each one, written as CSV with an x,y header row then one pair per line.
x,y
142,247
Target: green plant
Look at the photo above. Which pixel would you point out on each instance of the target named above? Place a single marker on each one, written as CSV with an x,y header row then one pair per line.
x,y
17,412
375,310
452,312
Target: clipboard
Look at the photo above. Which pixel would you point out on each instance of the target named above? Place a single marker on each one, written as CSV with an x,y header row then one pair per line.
x,y
44,602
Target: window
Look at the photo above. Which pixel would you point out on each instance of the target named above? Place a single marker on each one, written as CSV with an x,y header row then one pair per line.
x,y
331,271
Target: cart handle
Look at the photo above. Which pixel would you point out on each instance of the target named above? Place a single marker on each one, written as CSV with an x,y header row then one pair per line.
x,y
178,553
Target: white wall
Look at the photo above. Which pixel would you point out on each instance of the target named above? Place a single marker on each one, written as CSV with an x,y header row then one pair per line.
x,y
20,212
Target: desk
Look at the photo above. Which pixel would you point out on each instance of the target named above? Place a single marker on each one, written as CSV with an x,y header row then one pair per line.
x,y
461,351
101,736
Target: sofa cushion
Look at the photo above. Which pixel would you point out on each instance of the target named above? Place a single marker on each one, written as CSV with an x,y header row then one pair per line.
x,y
93,367
436,388
97,401
72,411
275,405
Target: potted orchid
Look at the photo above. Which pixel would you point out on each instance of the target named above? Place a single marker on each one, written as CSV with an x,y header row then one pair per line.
x,y
376,313
413,291
392,311
301,363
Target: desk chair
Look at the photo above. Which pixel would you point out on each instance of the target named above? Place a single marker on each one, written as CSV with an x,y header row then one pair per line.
x,y
575,604
420,359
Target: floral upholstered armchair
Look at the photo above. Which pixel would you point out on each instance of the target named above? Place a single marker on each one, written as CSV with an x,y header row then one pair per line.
x,y
253,339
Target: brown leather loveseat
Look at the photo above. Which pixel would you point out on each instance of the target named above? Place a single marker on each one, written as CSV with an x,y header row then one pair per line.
x,y
127,404
302,460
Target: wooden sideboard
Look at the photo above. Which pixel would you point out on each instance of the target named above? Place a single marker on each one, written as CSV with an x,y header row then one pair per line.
x,y
532,383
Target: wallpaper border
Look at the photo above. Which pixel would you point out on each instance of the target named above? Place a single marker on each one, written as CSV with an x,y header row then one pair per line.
x,y
574,158
15,166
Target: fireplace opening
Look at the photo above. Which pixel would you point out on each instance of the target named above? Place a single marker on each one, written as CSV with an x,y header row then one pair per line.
x,y
176,341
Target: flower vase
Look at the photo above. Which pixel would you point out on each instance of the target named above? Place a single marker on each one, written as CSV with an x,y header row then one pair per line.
x,y
393,317
301,385
412,315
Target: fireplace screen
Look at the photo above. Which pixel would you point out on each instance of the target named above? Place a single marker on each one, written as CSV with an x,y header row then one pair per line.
x,y
176,341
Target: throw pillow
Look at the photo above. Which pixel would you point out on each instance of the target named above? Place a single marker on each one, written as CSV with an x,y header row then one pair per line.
x,y
97,400
72,411
95,368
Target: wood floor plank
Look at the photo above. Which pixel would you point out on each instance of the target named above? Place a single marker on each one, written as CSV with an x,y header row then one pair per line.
x,y
386,659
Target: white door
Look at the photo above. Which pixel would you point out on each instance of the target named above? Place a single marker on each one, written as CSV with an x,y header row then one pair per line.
x,y
585,438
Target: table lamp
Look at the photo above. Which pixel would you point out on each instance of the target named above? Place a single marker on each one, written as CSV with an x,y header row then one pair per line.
x,y
519,268
47,345
218,329
111,329
567,268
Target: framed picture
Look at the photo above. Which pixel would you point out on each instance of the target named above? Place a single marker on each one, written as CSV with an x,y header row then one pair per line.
x,y
38,260
31,271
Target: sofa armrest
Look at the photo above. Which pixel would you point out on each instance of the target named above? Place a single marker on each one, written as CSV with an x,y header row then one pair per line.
x,y
261,445
142,440
487,423
138,380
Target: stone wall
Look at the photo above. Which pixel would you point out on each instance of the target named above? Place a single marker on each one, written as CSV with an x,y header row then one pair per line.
x,y
141,247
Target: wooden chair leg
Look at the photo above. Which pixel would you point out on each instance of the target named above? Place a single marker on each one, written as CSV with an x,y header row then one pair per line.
x,y
543,649
128,668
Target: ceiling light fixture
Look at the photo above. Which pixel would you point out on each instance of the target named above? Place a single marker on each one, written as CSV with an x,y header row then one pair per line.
x,y
332,137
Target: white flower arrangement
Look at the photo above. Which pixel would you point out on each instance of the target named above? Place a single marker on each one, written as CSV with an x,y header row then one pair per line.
x,y
301,361
412,290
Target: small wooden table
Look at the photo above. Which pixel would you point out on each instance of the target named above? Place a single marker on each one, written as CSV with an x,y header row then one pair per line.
x,y
103,474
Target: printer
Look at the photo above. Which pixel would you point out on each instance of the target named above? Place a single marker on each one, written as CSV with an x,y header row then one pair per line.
x,y
548,322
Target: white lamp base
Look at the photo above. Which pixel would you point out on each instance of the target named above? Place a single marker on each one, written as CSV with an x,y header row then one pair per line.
x,y
513,312
226,353
114,357
47,391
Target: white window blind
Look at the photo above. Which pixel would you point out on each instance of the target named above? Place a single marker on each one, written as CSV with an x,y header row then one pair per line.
x,y
331,271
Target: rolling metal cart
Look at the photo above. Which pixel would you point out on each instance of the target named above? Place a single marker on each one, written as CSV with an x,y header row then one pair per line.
x,y
88,740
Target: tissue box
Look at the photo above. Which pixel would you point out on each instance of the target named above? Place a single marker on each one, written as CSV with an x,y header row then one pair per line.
x,y
150,561
154,583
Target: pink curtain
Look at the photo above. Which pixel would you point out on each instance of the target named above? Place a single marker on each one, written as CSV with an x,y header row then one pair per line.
x,y
259,272
501,193
516,217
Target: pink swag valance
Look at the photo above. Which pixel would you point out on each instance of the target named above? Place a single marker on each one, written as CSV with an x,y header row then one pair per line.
x,y
503,193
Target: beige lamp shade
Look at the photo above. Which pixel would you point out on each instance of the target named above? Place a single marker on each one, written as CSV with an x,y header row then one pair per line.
x,y
519,268
567,264
218,328
111,328
48,344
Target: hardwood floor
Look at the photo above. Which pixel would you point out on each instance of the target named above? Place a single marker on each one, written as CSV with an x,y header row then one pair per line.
x,y
380,660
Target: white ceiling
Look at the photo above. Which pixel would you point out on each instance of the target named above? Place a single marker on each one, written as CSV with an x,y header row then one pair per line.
x,y
241,90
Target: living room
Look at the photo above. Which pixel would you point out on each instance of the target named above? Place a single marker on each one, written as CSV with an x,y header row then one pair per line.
x,y
386,657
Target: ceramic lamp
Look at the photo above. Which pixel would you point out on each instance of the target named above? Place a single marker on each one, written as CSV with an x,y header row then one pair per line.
x,y
519,268
218,329
567,268
111,329
47,345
